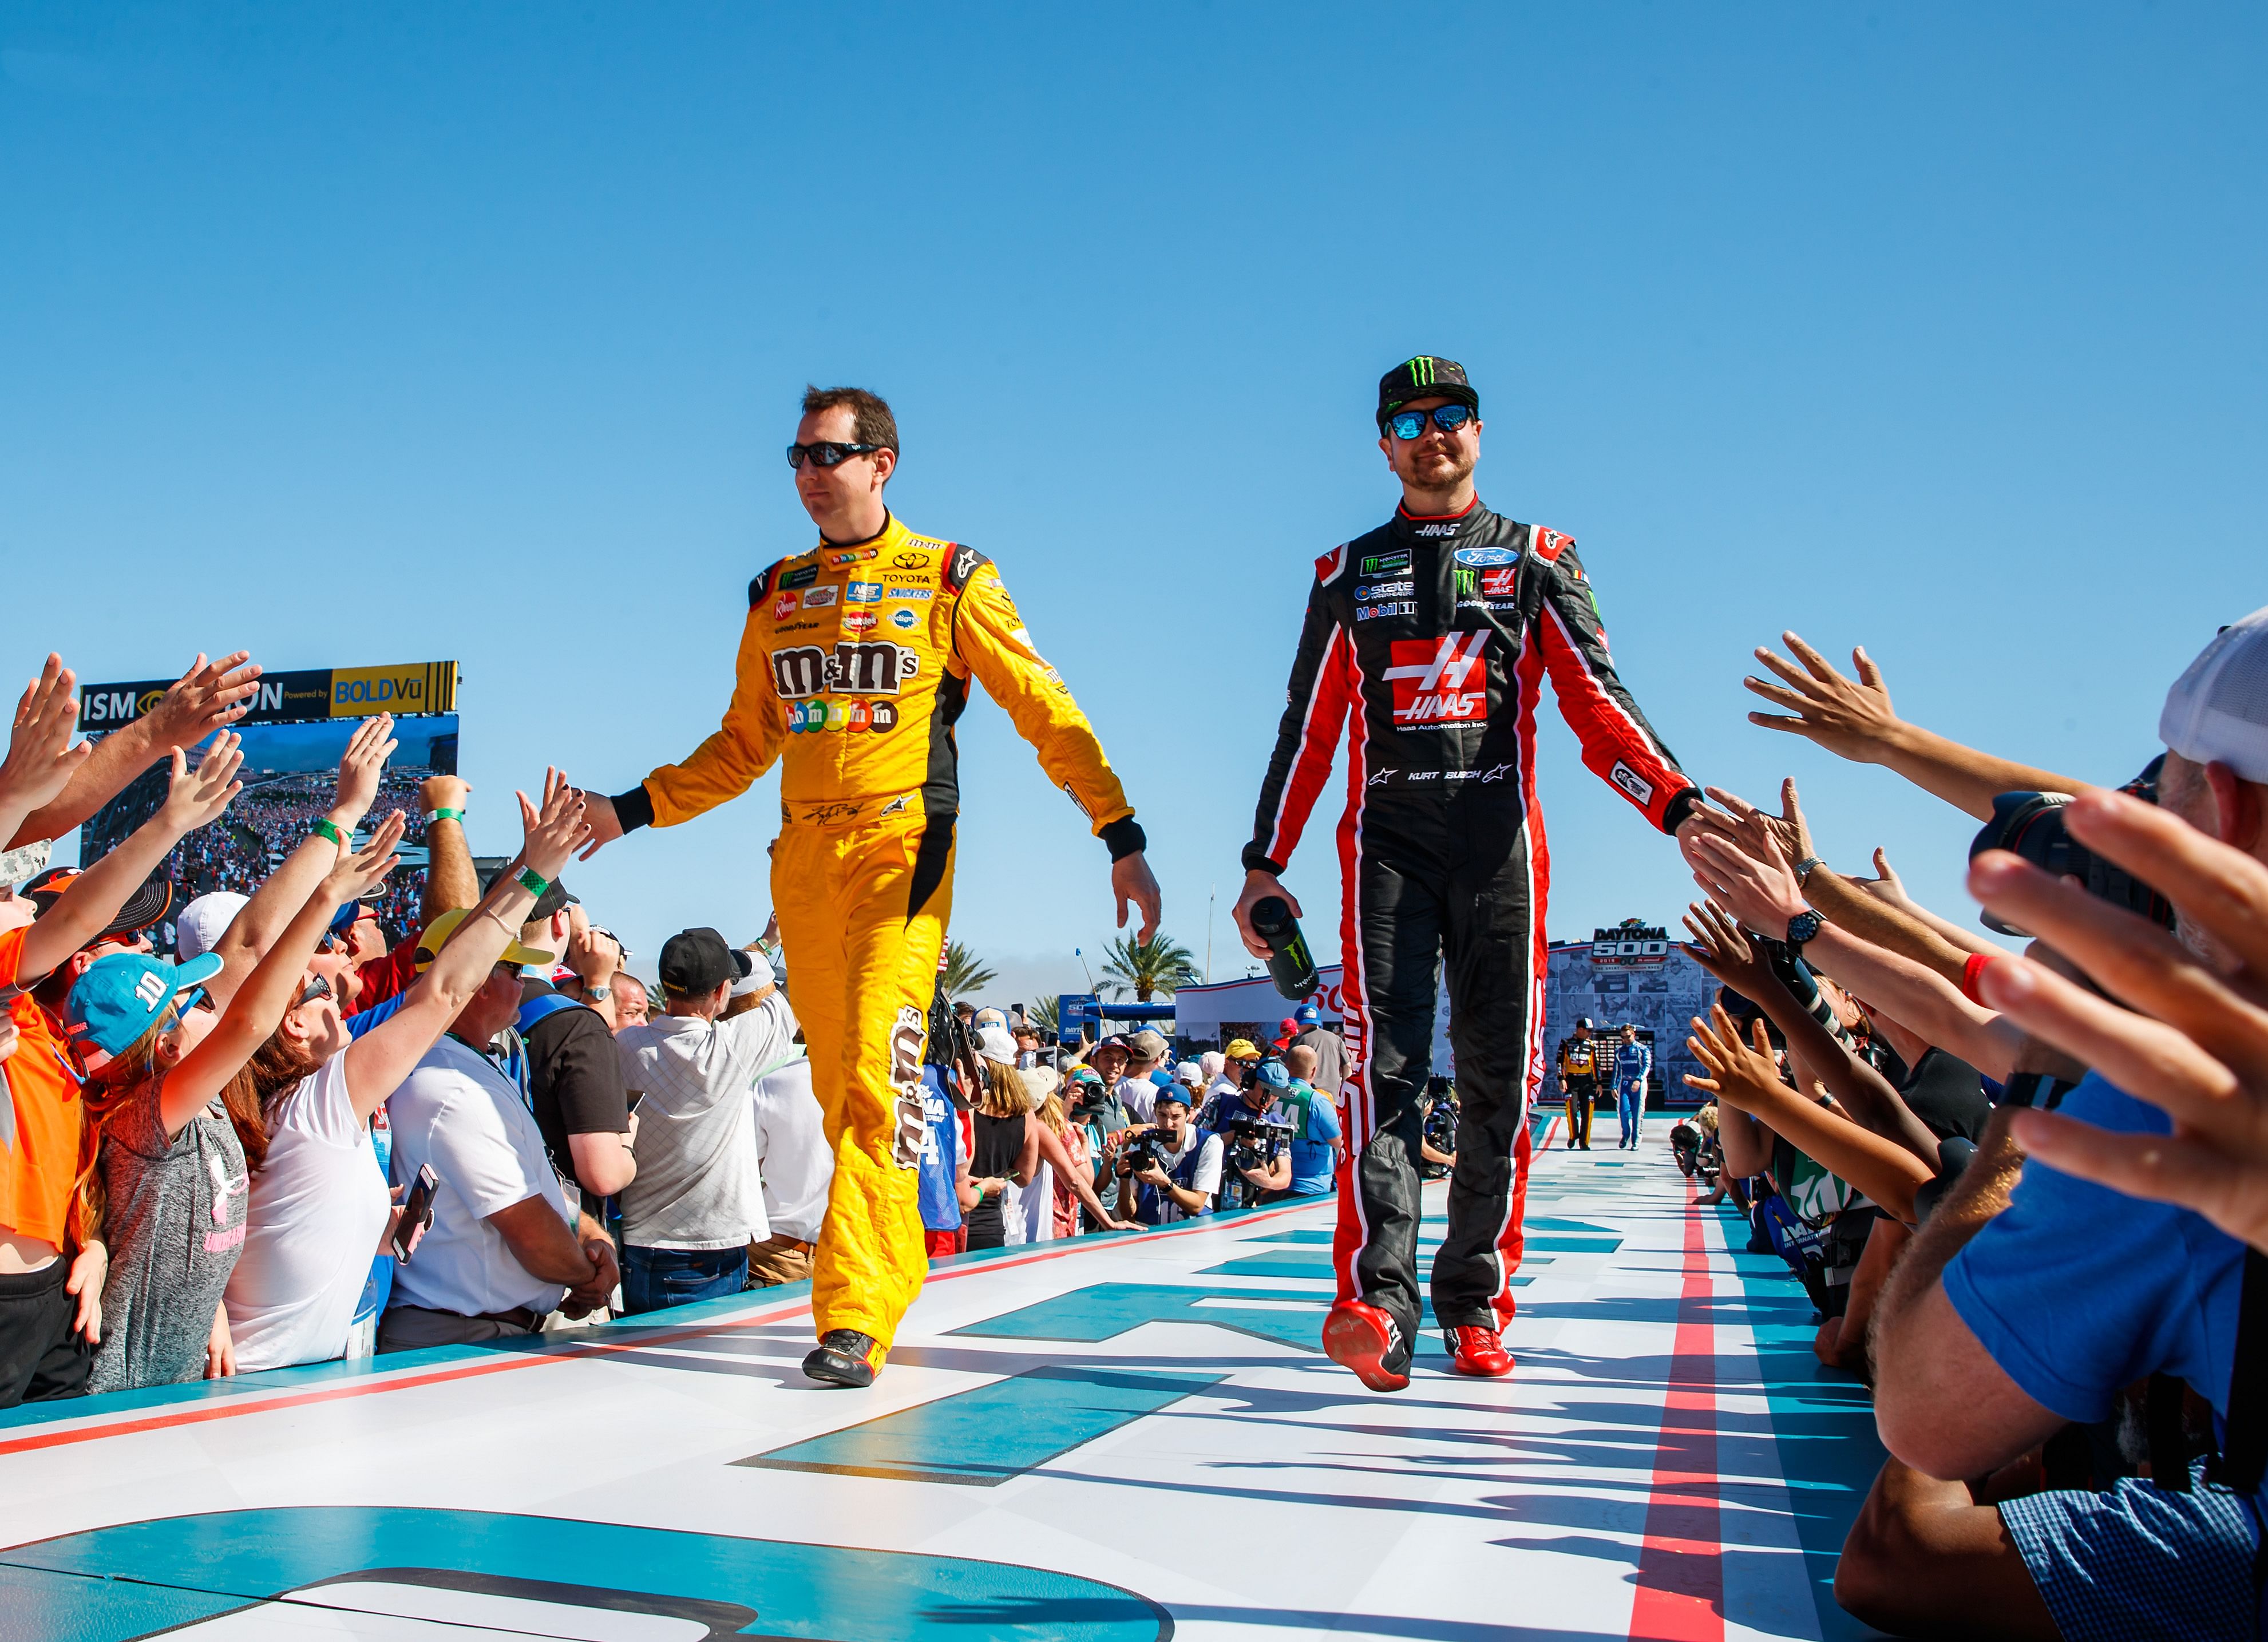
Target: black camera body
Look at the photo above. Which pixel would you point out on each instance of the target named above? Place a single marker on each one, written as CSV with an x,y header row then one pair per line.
x,y
1145,1151
2031,825
1254,1139
1439,1128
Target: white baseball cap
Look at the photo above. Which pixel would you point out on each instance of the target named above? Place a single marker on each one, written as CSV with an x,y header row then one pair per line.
x,y
198,927
2216,712
994,1043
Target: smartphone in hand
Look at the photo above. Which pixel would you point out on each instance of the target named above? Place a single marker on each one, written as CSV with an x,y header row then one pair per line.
x,y
416,1213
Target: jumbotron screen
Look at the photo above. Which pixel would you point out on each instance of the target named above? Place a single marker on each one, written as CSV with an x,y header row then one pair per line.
x,y
296,731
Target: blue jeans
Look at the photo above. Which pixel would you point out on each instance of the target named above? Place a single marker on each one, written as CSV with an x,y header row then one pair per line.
x,y
654,1279
1631,1107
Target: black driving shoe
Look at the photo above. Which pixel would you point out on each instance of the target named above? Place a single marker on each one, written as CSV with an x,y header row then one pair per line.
x,y
844,1358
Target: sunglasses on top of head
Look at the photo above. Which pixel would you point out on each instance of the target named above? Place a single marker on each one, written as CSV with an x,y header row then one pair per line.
x,y
1407,424
827,453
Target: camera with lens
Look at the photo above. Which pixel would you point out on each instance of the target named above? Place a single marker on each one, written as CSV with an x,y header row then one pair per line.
x,y
1254,1139
1440,1125
2031,825
1144,1151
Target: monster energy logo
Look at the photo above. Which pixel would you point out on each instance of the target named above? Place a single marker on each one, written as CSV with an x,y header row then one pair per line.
x,y
1421,371
1468,583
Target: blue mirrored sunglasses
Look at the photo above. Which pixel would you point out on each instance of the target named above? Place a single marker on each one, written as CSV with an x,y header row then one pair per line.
x,y
1407,424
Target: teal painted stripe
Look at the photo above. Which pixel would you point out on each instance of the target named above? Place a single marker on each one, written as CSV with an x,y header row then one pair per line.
x,y
988,1436
1822,1424
137,1578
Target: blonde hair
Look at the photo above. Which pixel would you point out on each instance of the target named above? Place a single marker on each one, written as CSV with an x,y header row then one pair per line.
x,y
1005,1094
1051,1112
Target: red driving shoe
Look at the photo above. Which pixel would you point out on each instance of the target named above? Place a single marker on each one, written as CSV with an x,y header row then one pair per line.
x,y
1364,1338
1479,1353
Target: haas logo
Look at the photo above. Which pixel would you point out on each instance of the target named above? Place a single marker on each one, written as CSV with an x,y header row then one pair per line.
x,y
1440,681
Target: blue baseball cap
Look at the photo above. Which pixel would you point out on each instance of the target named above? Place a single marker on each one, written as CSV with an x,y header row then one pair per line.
x,y
1307,1014
1273,1074
122,997
1162,1078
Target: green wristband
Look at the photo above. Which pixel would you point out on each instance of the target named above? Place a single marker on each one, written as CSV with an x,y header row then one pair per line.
x,y
325,829
446,814
532,881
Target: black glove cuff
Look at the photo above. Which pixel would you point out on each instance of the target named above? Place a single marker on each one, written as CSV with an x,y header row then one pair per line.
x,y
634,808
1679,805
1124,838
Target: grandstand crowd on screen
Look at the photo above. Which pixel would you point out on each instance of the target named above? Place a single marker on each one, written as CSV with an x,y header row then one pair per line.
x,y
273,1102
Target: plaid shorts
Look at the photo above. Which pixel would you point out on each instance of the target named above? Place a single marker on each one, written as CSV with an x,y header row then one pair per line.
x,y
2137,1563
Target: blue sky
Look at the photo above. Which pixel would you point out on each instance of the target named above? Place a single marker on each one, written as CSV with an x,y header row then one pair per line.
x,y
376,334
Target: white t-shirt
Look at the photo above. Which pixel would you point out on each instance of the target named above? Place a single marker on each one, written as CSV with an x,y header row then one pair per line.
x,y
697,1184
1139,1097
312,1225
458,1114
792,1142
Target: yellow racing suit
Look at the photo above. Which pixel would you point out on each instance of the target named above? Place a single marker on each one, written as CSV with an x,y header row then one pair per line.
x,y
854,664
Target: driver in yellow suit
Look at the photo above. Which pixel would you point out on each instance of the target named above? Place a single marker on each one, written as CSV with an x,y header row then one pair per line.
x,y
854,664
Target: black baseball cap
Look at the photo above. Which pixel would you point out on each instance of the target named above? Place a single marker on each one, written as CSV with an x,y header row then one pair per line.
x,y
149,903
694,962
1427,376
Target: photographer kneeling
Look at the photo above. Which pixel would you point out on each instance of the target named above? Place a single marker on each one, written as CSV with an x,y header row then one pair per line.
x,y
1168,1169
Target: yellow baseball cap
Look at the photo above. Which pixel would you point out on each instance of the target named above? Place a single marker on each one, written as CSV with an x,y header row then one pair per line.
x,y
438,932
1241,1049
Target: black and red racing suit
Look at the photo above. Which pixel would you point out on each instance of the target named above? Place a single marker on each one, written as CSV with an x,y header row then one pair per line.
x,y
1438,632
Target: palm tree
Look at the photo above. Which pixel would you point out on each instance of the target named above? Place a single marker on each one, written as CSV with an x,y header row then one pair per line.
x,y
964,972
1042,1012
1147,968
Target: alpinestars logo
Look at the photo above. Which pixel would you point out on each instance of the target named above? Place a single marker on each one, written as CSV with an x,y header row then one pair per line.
x,y
1440,681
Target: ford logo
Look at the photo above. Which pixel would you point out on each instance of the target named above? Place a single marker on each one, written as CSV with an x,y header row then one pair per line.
x,y
1486,555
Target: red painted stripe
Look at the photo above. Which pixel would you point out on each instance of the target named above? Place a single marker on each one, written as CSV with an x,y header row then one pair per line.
x,y
1681,1568
578,1350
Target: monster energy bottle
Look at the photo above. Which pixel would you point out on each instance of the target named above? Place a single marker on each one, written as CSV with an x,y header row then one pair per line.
x,y
1289,963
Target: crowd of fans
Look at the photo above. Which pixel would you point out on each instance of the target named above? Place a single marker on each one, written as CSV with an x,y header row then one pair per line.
x,y
267,1108
2023,1191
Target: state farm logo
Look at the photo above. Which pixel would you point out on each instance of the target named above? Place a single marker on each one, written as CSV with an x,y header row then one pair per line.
x,y
1440,681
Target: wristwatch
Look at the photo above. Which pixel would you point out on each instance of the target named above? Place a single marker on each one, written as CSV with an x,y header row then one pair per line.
x,y
1802,927
597,994
1803,867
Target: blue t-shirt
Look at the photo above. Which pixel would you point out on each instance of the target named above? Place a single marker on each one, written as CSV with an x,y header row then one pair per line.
x,y
2077,1290
940,1158
1311,1148
356,1025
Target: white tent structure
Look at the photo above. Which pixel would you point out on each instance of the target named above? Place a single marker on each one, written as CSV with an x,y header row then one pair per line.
x,y
1200,1011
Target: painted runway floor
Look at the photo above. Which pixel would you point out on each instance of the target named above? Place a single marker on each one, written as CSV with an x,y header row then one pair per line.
x,y
1118,1440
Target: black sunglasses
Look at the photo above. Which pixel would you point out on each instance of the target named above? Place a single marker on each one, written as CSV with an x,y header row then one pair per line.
x,y
319,987
1407,424
827,453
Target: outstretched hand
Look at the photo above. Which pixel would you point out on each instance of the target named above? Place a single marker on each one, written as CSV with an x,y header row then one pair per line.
x,y
196,797
1719,948
605,825
363,870
556,830
40,759
2198,1048
1132,880
210,694
1741,1076
1850,718
1747,875
364,762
